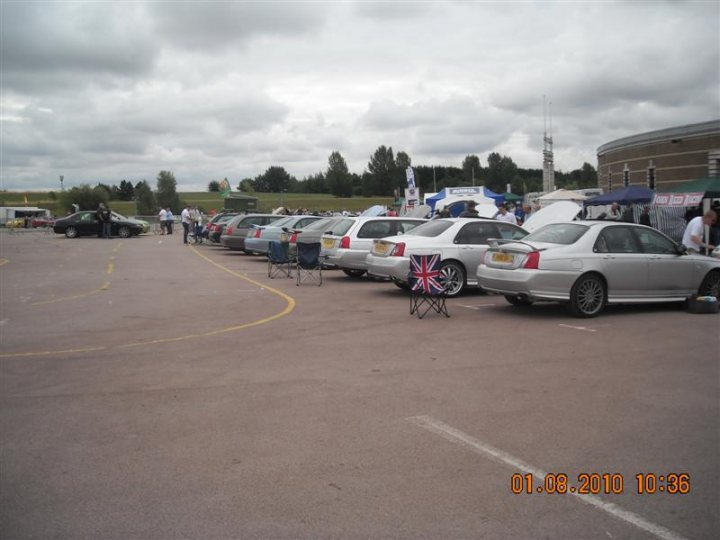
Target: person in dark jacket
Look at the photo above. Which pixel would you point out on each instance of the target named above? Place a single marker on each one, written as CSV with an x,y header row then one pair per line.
x,y
645,217
470,210
104,215
628,214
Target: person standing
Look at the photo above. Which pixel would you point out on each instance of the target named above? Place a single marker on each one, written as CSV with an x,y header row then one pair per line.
x,y
628,214
197,221
169,220
185,220
693,237
614,214
99,218
645,217
106,220
504,215
162,218
470,210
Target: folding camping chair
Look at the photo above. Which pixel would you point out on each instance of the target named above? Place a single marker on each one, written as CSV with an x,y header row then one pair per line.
x,y
279,262
309,263
427,285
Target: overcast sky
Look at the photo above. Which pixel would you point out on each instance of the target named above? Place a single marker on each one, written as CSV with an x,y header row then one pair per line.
x,y
106,91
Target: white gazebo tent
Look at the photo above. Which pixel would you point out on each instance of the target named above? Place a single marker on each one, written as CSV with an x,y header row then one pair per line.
x,y
561,195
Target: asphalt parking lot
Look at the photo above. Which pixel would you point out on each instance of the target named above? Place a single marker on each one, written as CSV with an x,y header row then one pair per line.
x,y
156,390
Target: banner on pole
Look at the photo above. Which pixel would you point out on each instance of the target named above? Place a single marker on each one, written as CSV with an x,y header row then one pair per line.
x,y
225,188
410,177
678,199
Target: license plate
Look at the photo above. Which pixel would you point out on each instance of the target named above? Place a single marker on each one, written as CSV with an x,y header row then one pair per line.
x,y
504,258
380,249
328,243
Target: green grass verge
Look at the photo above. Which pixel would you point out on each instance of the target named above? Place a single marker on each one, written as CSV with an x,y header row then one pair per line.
x,y
212,201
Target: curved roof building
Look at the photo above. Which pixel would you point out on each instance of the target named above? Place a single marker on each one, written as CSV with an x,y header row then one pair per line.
x,y
661,159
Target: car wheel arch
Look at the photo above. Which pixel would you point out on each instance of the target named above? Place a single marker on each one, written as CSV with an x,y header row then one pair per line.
x,y
461,266
712,274
571,303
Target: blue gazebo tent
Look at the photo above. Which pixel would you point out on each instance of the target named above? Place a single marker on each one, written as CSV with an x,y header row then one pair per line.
x,y
630,194
464,191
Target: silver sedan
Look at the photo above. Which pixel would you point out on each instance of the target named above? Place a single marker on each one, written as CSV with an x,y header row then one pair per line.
x,y
589,264
461,242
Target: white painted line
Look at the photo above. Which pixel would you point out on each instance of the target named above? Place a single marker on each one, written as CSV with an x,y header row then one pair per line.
x,y
455,435
584,328
478,306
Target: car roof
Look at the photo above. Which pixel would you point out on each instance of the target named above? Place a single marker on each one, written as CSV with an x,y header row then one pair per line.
x,y
362,219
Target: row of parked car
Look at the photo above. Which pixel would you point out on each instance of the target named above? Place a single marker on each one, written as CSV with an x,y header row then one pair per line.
x,y
584,264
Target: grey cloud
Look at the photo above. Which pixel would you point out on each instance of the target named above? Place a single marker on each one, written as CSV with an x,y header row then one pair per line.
x,y
391,11
217,25
456,125
46,45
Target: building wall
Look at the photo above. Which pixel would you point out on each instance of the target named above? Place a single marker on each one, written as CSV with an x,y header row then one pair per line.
x,y
675,155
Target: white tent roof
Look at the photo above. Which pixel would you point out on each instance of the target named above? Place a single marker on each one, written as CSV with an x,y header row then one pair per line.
x,y
563,195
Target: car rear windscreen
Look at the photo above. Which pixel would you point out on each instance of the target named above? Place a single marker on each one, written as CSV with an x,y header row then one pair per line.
x,y
432,228
558,233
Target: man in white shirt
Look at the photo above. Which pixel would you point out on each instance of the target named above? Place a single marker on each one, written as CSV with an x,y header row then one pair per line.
x,y
504,215
693,236
185,219
614,213
162,217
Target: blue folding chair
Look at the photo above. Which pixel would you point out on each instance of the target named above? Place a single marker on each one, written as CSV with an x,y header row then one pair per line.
x,y
428,289
309,263
279,262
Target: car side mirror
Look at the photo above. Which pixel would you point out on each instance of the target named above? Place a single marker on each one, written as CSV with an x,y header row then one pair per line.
x,y
681,249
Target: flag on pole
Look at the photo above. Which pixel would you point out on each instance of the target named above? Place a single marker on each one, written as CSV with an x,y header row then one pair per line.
x,y
225,188
410,177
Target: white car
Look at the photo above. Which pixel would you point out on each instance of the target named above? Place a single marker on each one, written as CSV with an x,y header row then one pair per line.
x,y
347,249
461,242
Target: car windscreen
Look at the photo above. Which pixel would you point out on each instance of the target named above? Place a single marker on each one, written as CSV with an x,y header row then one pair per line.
x,y
432,228
558,233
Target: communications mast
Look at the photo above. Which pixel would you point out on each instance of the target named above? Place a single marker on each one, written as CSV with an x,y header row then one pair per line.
x,y
548,167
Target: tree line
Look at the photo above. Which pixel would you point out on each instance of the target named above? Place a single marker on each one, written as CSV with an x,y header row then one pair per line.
x,y
146,200
385,176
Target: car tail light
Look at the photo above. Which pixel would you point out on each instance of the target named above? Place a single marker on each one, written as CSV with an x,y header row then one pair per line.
x,y
399,250
345,242
533,260
257,233
229,231
293,238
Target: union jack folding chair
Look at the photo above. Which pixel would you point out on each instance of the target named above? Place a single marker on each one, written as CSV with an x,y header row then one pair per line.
x,y
309,263
279,262
427,286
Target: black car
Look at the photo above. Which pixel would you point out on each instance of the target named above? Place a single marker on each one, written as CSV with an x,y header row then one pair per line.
x,y
87,224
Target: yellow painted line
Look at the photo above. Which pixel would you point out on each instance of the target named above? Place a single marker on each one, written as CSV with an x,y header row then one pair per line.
x,y
4,261
288,309
48,353
104,287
